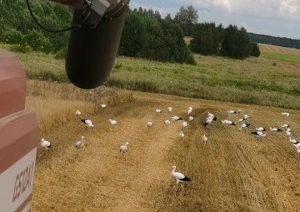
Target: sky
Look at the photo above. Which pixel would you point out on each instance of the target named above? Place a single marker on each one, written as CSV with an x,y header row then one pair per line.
x,y
279,18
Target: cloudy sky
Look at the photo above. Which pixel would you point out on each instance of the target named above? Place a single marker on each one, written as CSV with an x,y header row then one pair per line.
x,y
269,17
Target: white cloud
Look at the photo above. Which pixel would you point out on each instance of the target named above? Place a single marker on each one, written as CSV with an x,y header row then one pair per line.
x,y
290,8
273,17
262,8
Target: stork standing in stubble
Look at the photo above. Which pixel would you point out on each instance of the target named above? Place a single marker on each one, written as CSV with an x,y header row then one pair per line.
x,y
180,178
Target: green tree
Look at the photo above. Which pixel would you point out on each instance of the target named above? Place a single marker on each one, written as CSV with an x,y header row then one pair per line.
x,y
12,36
146,35
134,36
155,50
207,38
254,50
186,18
235,43
173,38
37,41
168,17
16,24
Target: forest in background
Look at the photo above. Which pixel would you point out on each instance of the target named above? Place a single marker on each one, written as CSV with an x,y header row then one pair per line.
x,y
146,34
276,41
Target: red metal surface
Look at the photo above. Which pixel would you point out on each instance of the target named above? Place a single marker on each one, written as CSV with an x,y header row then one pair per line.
x,y
12,84
18,137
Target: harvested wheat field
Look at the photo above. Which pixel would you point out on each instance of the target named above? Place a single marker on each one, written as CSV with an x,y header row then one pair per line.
x,y
233,171
278,49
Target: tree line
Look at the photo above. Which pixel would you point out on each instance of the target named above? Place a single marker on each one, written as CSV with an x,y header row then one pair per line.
x,y
277,41
146,34
18,27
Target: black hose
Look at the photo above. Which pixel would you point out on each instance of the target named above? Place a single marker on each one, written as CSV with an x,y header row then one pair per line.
x,y
40,25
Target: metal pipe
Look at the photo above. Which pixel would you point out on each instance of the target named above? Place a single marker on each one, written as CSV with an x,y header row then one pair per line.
x,y
91,52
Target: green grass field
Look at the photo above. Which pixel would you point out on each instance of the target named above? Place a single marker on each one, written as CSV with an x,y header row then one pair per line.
x,y
272,79
281,56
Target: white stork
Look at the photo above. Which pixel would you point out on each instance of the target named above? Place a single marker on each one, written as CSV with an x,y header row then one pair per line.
x,y
204,139
176,118
244,125
87,122
259,134
233,111
149,124
113,122
228,122
181,134
243,118
167,122
124,148
158,110
77,113
285,114
184,124
180,178
80,143
260,129
208,121
297,145
294,141
190,110
275,129
46,144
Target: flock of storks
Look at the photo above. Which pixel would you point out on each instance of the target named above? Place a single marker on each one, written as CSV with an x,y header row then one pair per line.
x,y
259,132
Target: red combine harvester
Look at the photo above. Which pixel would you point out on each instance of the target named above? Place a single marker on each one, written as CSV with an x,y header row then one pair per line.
x,y
18,138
